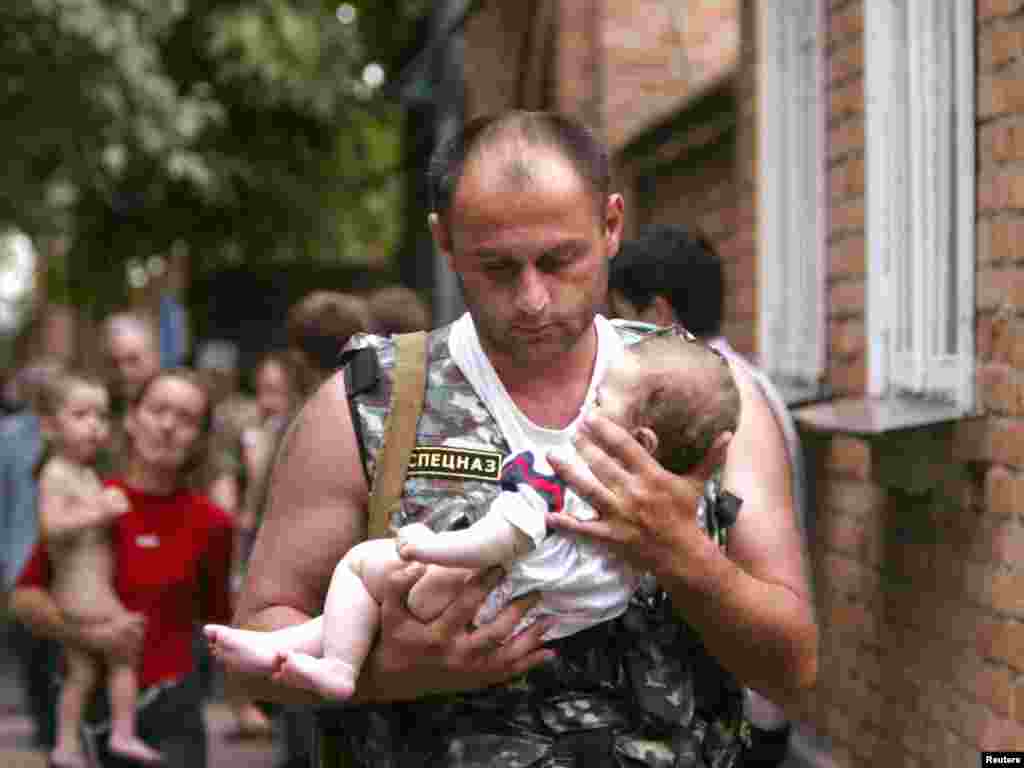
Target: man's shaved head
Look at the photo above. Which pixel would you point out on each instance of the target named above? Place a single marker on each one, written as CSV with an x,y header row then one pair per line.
x,y
511,141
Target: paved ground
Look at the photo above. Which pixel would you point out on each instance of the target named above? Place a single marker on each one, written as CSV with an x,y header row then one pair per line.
x,y
16,731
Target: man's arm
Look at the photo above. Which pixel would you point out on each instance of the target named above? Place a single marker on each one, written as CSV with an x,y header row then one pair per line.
x,y
316,511
752,608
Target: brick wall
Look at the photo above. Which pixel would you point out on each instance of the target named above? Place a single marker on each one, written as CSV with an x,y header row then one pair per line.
x,y
921,595
659,54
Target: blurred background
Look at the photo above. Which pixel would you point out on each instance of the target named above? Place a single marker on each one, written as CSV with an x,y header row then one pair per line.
x,y
858,165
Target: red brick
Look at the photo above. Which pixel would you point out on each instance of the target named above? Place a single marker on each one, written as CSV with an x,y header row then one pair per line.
x,y
846,297
1002,640
1005,239
845,62
1004,492
999,46
1007,592
845,137
1000,287
846,338
848,377
845,100
1000,389
846,258
979,582
849,578
988,9
1007,343
845,23
849,456
846,179
1008,543
1005,442
848,218
845,534
999,733
999,95
990,684
1001,141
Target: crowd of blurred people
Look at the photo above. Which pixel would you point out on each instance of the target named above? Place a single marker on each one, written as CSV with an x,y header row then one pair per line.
x,y
191,450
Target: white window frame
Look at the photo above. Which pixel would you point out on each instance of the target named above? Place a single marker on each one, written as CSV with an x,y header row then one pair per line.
x,y
920,207
791,194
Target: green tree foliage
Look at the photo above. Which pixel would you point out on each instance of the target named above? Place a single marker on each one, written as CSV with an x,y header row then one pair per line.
x,y
242,129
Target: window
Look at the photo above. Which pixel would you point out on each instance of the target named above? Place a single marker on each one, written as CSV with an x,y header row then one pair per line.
x,y
919,129
791,196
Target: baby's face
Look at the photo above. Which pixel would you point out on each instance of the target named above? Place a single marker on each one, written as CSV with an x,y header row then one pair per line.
x,y
618,392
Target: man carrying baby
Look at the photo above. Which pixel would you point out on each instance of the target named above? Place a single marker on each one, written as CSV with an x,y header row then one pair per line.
x,y
524,214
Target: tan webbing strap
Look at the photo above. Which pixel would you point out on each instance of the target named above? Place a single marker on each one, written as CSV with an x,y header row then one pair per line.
x,y
408,389
409,381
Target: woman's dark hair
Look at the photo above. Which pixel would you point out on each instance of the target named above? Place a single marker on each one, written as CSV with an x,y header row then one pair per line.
x,y
679,264
547,129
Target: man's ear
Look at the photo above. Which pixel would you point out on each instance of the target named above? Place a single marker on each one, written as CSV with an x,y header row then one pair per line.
x,y
647,438
663,312
715,456
614,223
442,237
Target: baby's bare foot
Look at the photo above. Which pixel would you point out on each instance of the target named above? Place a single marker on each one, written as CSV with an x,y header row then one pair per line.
x,y
241,649
135,750
331,678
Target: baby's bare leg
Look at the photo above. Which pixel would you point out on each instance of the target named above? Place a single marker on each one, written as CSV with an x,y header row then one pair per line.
x,y
351,617
124,689
81,677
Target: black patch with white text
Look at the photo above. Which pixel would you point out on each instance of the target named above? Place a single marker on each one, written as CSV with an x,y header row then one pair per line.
x,y
465,463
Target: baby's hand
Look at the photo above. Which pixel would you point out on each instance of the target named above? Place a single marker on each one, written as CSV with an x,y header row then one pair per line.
x,y
412,539
114,502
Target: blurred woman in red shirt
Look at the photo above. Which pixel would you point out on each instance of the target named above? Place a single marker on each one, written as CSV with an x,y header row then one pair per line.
x,y
172,553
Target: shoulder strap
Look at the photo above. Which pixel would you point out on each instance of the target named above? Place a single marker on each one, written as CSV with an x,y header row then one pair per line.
x,y
408,389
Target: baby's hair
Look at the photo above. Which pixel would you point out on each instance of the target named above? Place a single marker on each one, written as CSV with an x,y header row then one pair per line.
x,y
53,393
689,398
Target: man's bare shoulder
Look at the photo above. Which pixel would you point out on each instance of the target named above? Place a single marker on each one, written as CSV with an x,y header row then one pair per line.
x,y
316,507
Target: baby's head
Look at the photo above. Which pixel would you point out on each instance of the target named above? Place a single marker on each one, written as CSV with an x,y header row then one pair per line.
x,y
675,396
74,415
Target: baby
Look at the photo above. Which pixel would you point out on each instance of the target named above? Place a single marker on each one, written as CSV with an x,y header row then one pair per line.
x,y
678,400
75,513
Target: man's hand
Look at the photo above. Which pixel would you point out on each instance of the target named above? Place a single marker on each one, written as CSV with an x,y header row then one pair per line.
x,y
645,513
415,658
119,639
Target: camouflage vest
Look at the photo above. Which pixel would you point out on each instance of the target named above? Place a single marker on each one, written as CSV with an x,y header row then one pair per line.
x,y
640,690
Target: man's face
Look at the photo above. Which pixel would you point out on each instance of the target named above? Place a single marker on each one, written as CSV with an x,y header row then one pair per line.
x,y
134,360
531,255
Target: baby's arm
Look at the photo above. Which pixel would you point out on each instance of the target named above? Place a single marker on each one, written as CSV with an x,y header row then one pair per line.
x,y
489,541
63,508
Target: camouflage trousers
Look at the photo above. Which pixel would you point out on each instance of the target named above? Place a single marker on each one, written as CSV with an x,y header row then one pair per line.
x,y
632,692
